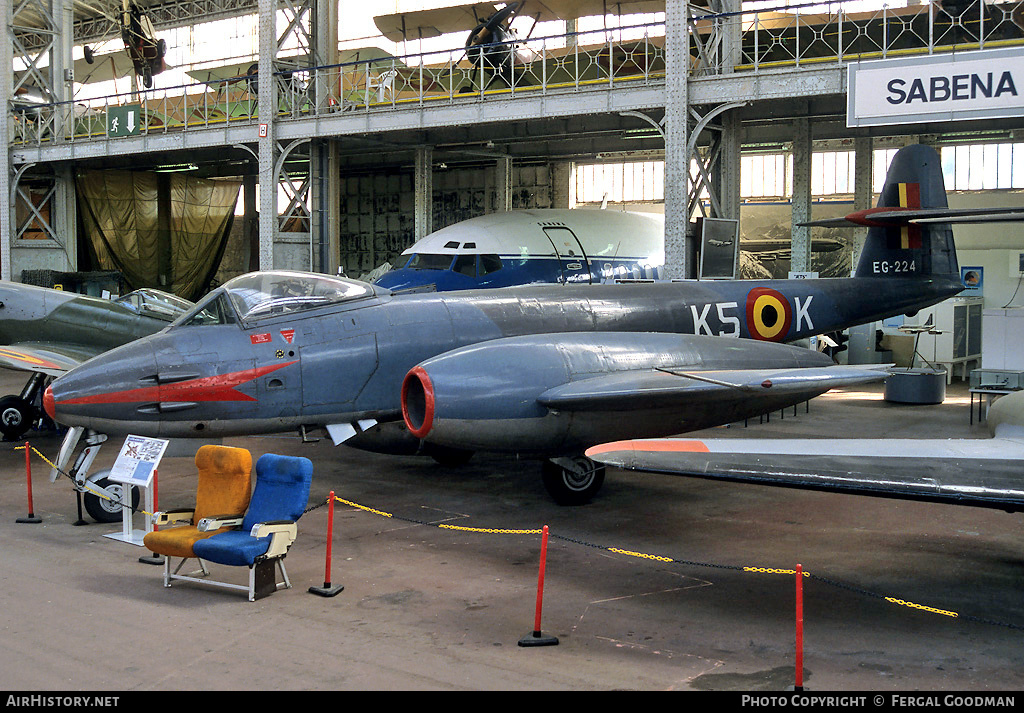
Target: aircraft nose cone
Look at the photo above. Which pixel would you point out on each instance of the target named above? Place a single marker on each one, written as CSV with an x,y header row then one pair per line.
x,y
48,403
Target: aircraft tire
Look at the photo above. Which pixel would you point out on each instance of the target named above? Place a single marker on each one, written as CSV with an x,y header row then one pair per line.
x,y
103,510
572,481
16,417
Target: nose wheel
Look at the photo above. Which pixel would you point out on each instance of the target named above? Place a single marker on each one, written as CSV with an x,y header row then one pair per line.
x,y
107,509
572,481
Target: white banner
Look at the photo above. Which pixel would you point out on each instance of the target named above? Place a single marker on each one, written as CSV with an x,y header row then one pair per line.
x,y
952,87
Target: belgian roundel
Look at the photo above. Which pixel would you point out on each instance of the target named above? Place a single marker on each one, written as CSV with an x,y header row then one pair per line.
x,y
768,314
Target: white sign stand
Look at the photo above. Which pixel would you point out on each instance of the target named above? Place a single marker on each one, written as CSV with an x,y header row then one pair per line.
x,y
135,466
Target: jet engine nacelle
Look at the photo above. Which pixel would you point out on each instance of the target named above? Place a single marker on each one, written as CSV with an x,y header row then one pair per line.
x,y
494,396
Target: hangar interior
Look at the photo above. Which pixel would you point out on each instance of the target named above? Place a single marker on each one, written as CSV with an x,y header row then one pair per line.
x,y
195,140
388,124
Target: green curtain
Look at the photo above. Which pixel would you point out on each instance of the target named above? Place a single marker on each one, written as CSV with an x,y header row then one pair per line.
x,y
163,230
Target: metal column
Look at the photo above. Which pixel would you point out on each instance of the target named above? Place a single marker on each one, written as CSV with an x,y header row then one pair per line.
x,y
326,178
6,91
801,236
423,190
503,184
679,250
267,144
862,189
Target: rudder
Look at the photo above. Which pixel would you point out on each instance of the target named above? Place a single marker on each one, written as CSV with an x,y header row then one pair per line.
x,y
900,248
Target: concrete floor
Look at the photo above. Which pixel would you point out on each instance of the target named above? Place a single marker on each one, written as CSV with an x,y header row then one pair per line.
x,y
433,609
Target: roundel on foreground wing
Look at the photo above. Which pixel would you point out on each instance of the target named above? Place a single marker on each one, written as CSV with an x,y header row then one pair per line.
x,y
768,314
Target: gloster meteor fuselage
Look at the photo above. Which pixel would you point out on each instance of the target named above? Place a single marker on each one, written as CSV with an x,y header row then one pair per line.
x,y
225,370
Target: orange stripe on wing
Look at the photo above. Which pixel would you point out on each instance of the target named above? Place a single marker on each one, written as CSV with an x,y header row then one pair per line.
x,y
658,445
29,359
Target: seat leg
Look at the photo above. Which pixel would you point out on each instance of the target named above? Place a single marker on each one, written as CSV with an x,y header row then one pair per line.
x,y
284,574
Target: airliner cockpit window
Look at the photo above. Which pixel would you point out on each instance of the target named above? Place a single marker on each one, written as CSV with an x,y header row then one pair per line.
x,y
429,261
489,264
266,294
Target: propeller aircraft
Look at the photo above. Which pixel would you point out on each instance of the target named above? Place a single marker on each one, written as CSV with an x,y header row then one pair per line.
x,y
47,332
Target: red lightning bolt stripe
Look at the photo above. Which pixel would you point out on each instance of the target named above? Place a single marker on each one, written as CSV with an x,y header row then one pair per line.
x,y
220,387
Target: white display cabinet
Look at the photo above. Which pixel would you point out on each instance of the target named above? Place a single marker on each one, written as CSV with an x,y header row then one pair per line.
x,y
1002,339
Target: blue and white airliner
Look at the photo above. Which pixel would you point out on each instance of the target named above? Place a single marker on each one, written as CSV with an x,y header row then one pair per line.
x,y
578,246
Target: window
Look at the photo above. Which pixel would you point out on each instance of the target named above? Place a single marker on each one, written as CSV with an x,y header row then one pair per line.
x,y
489,264
429,261
628,182
977,167
465,265
765,175
215,311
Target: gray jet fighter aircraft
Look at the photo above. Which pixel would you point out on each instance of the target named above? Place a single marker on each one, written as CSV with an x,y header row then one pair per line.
x,y
47,332
537,370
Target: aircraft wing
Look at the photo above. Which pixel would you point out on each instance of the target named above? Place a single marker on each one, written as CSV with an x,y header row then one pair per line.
x,y
104,67
984,472
423,24
51,359
651,388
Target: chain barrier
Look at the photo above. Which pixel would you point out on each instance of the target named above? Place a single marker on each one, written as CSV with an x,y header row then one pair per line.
x,y
85,485
712,565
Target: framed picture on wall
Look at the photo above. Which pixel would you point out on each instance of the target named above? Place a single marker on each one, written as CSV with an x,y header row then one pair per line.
x,y
973,279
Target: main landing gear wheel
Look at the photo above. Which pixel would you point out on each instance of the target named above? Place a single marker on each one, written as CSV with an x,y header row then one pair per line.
x,y
103,510
572,481
16,417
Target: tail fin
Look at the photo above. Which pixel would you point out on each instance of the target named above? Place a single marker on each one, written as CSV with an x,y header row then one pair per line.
x,y
894,245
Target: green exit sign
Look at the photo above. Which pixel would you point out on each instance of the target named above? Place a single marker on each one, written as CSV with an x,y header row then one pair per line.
x,y
124,120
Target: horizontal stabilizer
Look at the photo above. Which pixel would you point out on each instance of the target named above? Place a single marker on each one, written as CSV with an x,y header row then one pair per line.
x,y
897,216
977,472
648,388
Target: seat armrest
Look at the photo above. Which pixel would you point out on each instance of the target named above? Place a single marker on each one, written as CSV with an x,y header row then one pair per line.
x,y
216,522
173,517
282,534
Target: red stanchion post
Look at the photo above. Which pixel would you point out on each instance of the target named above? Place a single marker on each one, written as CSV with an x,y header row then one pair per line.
x,y
327,590
536,637
799,681
28,484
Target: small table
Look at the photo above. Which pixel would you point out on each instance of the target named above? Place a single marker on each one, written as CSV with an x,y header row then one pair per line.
x,y
991,393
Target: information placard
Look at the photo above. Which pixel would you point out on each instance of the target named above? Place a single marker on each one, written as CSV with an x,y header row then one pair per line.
x,y
138,460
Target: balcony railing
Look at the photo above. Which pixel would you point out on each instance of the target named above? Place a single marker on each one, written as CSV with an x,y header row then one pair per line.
x,y
578,62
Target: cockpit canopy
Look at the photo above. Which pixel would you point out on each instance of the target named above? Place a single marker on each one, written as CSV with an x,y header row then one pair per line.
x,y
156,303
272,293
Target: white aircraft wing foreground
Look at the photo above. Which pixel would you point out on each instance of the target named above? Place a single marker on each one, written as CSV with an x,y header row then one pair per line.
x,y
982,472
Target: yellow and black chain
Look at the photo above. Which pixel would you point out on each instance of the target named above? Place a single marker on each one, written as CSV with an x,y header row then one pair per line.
x,y
691,563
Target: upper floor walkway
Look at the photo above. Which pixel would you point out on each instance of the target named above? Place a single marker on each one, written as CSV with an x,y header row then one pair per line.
x,y
745,56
